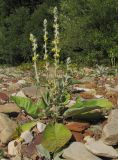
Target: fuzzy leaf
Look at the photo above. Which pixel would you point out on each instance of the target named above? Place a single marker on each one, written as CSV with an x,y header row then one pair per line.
x,y
27,105
102,102
88,109
28,126
78,111
55,136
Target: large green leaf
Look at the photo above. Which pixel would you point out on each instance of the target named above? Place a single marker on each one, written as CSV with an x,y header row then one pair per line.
x,y
102,102
24,127
88,109
28,126
55,136
27,105
78,111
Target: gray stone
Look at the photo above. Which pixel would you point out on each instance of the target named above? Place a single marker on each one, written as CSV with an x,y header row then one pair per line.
x,y
19,94
78,151
14,148
21,82
110,130
7,128
17,157
13,87
100,149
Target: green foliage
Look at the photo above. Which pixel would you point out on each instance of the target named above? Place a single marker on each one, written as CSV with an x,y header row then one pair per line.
x,y
55,136
89,29
14,42
89,109
26,104
28,126
24,127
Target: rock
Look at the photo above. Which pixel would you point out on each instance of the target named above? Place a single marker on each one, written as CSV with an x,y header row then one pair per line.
x,y
99,96
110,130
20,94
17,157
41,127
78,151
113,97
7,128
8,108
100,149
21,82
97,131
14,148
13,87
33,92
87,95
87,79
108,88
27,137
3,98
77,126
78,136
81,89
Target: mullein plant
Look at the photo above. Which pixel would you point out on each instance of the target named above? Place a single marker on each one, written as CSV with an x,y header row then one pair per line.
x,y
56,88
55,42
35,55
45,45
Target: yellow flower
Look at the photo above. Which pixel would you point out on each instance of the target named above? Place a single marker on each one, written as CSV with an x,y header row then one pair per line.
x,y
53,49
34,58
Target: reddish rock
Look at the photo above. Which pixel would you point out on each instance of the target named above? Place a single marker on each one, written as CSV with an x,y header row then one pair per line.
x,y
87,95
77,126
3,98
14,80
78,136
90,85
30,149
113,97
88,133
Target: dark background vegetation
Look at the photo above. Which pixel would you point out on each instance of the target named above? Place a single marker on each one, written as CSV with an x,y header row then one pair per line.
x,y
88,29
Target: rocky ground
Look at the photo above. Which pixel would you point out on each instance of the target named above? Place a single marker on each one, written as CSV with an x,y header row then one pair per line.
x,y
90,141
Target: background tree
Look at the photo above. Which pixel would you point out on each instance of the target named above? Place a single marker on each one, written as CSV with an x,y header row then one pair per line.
x,y
88,29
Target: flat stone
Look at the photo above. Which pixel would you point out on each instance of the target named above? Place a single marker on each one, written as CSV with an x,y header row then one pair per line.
x,y
7,128
3,98
20,94
77,126
13,87
21,82
14,148
78,151
100,149
8,108
27,137
110,130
